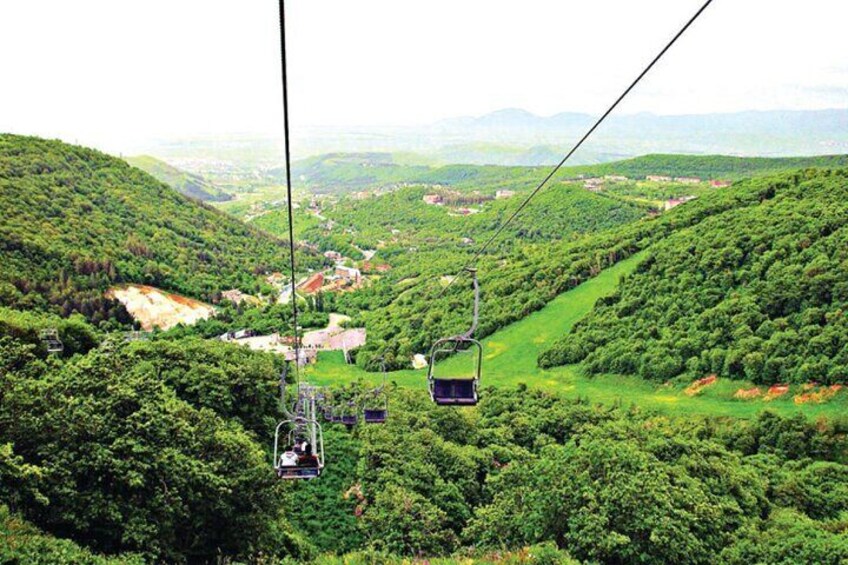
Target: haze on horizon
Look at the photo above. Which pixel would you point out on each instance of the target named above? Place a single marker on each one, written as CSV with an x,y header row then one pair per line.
x,y
117,75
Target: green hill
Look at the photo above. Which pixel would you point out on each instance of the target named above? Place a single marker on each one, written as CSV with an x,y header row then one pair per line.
x,y
757,291
76,221
707,166
189,184
344,172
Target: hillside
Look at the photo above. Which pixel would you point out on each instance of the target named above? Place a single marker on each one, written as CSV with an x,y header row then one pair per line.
x,y
707,166
76,221
188,184
339,173
757,291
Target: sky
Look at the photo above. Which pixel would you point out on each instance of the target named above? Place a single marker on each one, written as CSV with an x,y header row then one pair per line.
x,y
116,74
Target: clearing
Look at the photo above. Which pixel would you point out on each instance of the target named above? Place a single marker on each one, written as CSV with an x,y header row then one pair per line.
x,y
152,307
510,358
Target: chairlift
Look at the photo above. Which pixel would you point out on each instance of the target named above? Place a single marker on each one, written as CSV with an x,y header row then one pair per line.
x,y
50,338
298,452
349,416
136,335
456,390
375,409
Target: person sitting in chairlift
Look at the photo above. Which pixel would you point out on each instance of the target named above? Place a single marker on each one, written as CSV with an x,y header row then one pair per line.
x,y
308,459
289,459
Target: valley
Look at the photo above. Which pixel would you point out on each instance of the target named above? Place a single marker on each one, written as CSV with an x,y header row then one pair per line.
x,y
662,337
509,352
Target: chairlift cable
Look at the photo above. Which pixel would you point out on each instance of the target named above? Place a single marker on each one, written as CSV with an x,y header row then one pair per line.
x,y
576,146
289,191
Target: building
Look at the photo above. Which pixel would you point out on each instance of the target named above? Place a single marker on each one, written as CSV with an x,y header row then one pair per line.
x,y
687,180
368,267
276,279
616,178
675,202
306,356
235,296
658,178
333,255
348,273
720,183
501,194
313,284
593,185
347,339
433,199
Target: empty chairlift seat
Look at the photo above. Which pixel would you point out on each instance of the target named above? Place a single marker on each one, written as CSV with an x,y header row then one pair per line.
x,y
375,416
452,389
375,408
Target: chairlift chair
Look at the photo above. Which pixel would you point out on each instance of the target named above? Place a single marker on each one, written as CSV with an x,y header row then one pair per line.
x,y
455,390
349,417
375,410
50,338
303,465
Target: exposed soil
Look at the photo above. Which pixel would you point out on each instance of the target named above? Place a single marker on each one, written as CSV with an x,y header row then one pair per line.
x,y
153,307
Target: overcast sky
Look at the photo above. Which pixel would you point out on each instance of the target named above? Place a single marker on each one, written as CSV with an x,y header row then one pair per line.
x,y
116,73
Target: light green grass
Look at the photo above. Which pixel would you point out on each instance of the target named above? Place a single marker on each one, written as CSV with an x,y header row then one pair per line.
x,y
510,359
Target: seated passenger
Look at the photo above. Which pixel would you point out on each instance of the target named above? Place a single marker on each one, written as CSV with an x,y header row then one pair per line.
x,y
289,459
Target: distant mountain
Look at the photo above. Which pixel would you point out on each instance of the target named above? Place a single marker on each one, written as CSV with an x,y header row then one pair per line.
x,y
770,133
189,184
518,137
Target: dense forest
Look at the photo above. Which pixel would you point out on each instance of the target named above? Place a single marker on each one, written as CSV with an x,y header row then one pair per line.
x,y
76,221
162,455
758,291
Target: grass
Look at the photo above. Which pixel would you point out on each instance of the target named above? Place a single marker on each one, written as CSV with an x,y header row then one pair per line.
x,y
510,354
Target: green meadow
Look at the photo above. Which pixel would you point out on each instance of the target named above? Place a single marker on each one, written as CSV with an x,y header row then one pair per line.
x,y
509,360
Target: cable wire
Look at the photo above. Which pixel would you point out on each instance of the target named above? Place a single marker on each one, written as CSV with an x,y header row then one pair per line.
x,y
576,147
289,192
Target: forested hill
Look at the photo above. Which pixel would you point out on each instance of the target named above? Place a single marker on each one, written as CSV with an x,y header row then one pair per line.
x,y
758,291
76,221
345,172
189,184
707,166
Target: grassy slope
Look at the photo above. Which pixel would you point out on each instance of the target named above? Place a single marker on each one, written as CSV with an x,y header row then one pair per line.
x,y
510,354
189,184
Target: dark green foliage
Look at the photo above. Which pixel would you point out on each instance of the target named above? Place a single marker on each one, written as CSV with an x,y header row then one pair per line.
x,y
75,334
788,538
23,544
757,292
324,511
126,465
236,383
76,221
